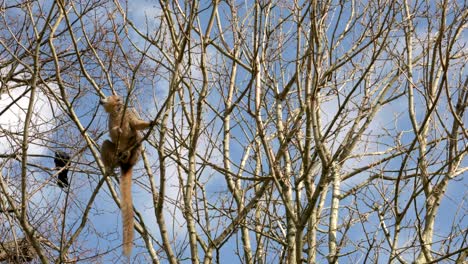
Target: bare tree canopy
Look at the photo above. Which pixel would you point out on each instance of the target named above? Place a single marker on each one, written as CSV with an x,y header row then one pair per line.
x,y
281,131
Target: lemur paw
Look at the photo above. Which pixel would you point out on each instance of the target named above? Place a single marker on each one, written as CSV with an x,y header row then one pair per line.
x,y
123,156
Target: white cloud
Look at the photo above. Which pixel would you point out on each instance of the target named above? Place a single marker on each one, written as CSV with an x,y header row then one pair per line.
x,y
14,107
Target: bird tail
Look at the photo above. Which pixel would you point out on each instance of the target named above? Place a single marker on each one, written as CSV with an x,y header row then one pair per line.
x,y
127,209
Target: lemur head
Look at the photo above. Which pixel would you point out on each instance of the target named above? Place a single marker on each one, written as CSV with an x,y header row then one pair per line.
x,y
111,103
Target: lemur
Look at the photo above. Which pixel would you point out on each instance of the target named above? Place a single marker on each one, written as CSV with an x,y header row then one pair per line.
x,y
123,150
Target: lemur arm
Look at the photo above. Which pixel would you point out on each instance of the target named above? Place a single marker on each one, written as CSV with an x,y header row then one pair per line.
x,y
136,123
139,124
116,129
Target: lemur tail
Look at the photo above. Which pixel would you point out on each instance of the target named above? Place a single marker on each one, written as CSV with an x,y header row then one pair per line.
x,y
127,209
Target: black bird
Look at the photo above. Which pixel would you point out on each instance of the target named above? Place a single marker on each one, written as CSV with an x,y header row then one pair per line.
x,y
61,161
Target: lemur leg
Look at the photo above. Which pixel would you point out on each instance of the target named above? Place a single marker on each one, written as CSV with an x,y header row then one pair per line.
x,y
134,154
109,155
